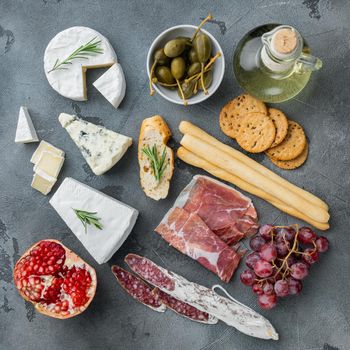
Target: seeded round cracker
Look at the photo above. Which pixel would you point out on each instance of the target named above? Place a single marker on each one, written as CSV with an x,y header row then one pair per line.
x,y
294,163
256,132
281,123
235,110
293,144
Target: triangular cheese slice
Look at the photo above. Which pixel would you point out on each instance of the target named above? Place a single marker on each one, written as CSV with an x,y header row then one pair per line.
x,y
101,148
25,132
112,85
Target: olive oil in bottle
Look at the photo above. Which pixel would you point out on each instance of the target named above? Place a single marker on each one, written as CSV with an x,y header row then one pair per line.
x,y
273,63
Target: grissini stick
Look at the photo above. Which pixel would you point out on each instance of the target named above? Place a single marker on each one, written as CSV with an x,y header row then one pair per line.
x,y
191,129
224,161
190,158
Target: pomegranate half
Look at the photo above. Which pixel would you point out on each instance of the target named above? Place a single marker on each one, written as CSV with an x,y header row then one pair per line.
x,y
57,281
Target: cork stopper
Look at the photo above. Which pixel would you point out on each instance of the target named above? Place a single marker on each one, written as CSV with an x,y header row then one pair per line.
x,y
284,41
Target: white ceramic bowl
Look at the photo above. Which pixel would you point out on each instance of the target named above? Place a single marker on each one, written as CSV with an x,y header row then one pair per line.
x,y
218,67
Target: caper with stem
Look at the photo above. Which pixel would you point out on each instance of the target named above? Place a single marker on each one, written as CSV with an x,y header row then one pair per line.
x,y
207,79
164,75
178,69
208,18
202,45
193,69
187,89
174,47
160,58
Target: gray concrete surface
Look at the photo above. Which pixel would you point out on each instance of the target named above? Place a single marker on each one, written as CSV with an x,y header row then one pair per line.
x,y
318,319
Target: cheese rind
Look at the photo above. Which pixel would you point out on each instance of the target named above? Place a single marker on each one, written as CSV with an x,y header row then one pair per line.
x,y
117,219
112,85
101,148
49,163
71,82
42,184
25,131
45,147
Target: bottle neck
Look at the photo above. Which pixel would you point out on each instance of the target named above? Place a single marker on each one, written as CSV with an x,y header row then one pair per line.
x,y
274,64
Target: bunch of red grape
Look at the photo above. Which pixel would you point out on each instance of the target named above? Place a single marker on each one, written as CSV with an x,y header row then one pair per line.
x,y
281,258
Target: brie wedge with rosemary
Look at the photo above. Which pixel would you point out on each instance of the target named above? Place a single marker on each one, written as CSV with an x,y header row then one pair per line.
x,y
25,132
112,85
69,79
101,148
115,219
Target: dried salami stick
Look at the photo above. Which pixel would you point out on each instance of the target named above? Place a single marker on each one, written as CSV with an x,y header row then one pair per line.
x,y
184,309
138,289
229,311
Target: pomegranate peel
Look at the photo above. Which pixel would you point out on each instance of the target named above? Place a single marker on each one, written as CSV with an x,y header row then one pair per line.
x,y
57,281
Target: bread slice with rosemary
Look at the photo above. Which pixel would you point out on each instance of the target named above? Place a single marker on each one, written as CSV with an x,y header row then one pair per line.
x,y
156,159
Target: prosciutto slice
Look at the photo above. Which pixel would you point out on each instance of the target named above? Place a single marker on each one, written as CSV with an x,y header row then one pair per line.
x,y
189,234
227,212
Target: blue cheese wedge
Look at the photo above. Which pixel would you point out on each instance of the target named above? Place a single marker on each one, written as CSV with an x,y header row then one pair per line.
x,y
112,85
25,131
101,148
117,219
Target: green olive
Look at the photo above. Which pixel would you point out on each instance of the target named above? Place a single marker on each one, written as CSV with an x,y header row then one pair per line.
x,y
208,79
202,46
192,56
164,75
174,48
185,39
160,57
187,89
193,69
178,67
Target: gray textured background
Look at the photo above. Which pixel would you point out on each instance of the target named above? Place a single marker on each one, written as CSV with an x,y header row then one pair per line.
x,y
318,319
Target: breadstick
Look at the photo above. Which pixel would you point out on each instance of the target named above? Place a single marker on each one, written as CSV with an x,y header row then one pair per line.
x,y
190,158
232,165
188,128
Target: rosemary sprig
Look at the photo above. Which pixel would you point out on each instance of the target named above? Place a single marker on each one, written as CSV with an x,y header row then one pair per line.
x,y
88,49
158,164
88,218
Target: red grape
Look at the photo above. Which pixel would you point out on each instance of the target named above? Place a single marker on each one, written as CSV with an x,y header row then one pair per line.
x,y
322,244
256,243
299,270
282,248
263,268
306,235
310,255
281,288
267,301
251,259
248,277
285,233
294,286
268,252
257,289
266,231
268,288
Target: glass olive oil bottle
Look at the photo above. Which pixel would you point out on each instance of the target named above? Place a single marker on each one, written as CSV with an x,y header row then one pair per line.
x,y
273,63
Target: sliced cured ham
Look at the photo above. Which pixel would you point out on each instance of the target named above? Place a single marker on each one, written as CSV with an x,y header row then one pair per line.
x,y
189,234
230,311
227,212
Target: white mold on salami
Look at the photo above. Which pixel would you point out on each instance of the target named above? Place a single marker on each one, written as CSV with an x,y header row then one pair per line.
x,y
231,312
138,289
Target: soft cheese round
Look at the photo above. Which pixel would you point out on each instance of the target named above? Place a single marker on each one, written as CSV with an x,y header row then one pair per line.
x,y
70,82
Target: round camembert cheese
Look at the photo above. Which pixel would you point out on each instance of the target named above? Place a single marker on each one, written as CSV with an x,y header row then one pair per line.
x,y
70,82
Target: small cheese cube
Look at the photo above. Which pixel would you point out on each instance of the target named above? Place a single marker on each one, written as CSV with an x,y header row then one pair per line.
x,y
45,146
41,184
50,163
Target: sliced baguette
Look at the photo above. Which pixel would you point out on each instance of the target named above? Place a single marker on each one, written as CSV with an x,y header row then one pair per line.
x,y
155,131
